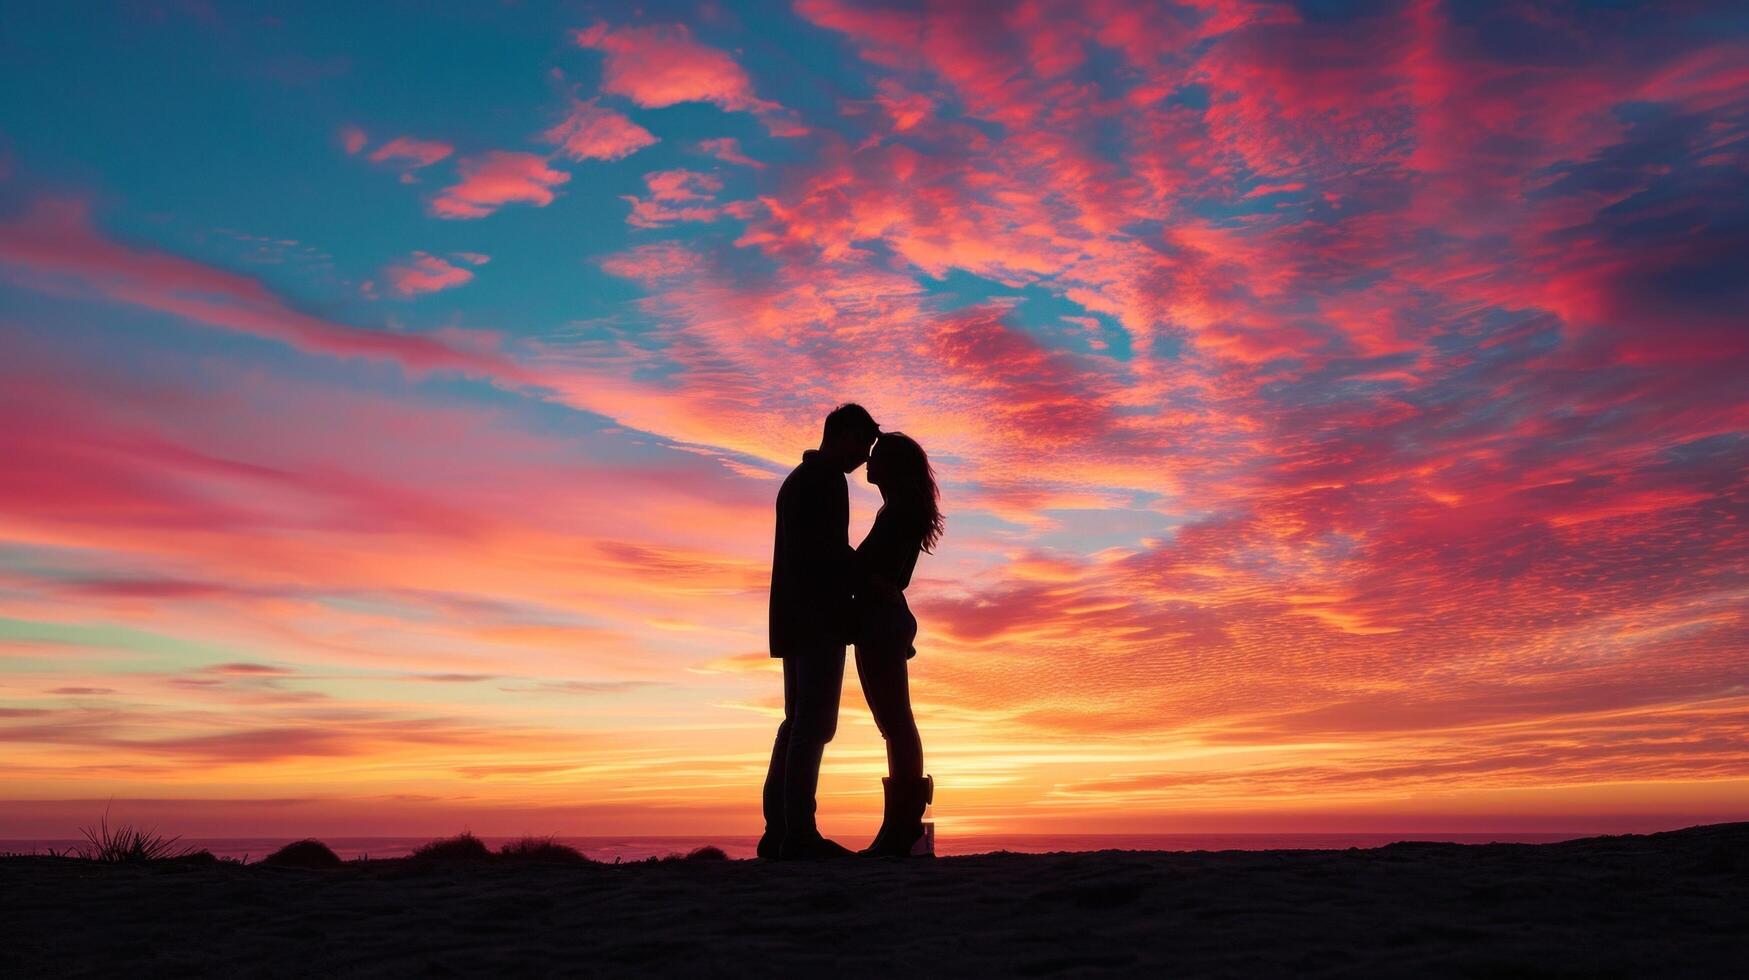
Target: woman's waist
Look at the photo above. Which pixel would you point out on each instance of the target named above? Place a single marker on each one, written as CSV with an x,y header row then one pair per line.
x,y
891,599
885,623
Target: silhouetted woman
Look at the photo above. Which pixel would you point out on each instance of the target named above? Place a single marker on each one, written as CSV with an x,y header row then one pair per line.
x,y
909,522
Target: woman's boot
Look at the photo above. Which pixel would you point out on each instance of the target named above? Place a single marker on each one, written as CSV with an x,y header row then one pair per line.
x,y
902,823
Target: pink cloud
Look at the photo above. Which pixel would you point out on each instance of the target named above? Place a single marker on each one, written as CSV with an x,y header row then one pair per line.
x,y
662,66
907,108
592,132
494,179
728,150
422,272
682,195
1264,190
682,185
411,152
651,263
352,138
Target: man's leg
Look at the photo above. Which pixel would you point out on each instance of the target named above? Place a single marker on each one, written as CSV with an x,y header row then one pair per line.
x,y
772,842
813,720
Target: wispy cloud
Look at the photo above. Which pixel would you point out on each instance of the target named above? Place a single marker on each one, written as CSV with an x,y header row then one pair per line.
x,y
54,244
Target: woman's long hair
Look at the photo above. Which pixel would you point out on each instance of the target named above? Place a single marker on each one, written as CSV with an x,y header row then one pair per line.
x,y
911,483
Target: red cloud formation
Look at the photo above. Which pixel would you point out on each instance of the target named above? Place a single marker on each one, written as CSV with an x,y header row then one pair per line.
x,y
492,180
1355,399
423,272
591,132
352,139
663,66
1307,369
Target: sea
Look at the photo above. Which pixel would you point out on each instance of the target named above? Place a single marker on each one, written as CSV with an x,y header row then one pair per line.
x,y
611,849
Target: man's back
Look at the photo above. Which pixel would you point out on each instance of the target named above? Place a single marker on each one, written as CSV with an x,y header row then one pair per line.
x,y
810,562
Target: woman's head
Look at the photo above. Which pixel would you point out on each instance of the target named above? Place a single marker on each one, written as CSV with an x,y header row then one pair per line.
x,y
901,469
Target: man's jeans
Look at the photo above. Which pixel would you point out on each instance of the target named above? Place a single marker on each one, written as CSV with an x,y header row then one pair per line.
x,y
812,683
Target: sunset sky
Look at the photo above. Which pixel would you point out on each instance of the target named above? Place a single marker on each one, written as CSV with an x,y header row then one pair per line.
x,y
1342,409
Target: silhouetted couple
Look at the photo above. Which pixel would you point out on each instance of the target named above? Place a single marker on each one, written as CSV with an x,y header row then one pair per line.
x,y
825,595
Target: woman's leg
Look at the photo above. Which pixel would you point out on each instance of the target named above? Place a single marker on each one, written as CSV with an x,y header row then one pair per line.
x,y
886,686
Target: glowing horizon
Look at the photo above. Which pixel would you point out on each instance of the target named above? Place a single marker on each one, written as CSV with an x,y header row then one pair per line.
x,y
1340,410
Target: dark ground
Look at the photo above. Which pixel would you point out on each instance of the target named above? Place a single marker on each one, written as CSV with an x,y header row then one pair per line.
x,y
1665,905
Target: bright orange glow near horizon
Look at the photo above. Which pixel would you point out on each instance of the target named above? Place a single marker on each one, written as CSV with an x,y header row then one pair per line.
x,y
1340,411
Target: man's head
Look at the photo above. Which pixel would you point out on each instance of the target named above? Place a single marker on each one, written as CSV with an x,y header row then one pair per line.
x,y
850,431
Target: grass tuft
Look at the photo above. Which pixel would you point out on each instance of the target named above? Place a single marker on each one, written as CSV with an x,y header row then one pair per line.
x,y
127,844
541,849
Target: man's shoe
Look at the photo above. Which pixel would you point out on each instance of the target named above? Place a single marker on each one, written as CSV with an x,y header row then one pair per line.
x,y
770,845
812,847
902,824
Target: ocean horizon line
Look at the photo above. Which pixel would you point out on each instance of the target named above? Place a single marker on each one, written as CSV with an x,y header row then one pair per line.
x,y
634,847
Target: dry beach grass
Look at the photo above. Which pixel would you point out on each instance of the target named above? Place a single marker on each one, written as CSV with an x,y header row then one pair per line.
x,y
1664,904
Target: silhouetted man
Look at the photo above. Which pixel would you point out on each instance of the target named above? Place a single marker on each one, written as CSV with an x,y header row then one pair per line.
x,y
812,619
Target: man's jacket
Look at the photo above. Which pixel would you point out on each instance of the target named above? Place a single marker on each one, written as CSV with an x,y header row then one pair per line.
x,y
812,562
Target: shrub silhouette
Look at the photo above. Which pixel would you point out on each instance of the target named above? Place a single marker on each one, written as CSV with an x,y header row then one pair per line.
x,y
541,849
462,847
705,853
307,853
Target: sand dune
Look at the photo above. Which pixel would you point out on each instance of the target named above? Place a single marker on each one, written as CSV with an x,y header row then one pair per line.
x,y
1664,904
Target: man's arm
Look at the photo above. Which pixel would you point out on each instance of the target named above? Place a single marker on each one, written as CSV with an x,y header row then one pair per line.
x,y
823,518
